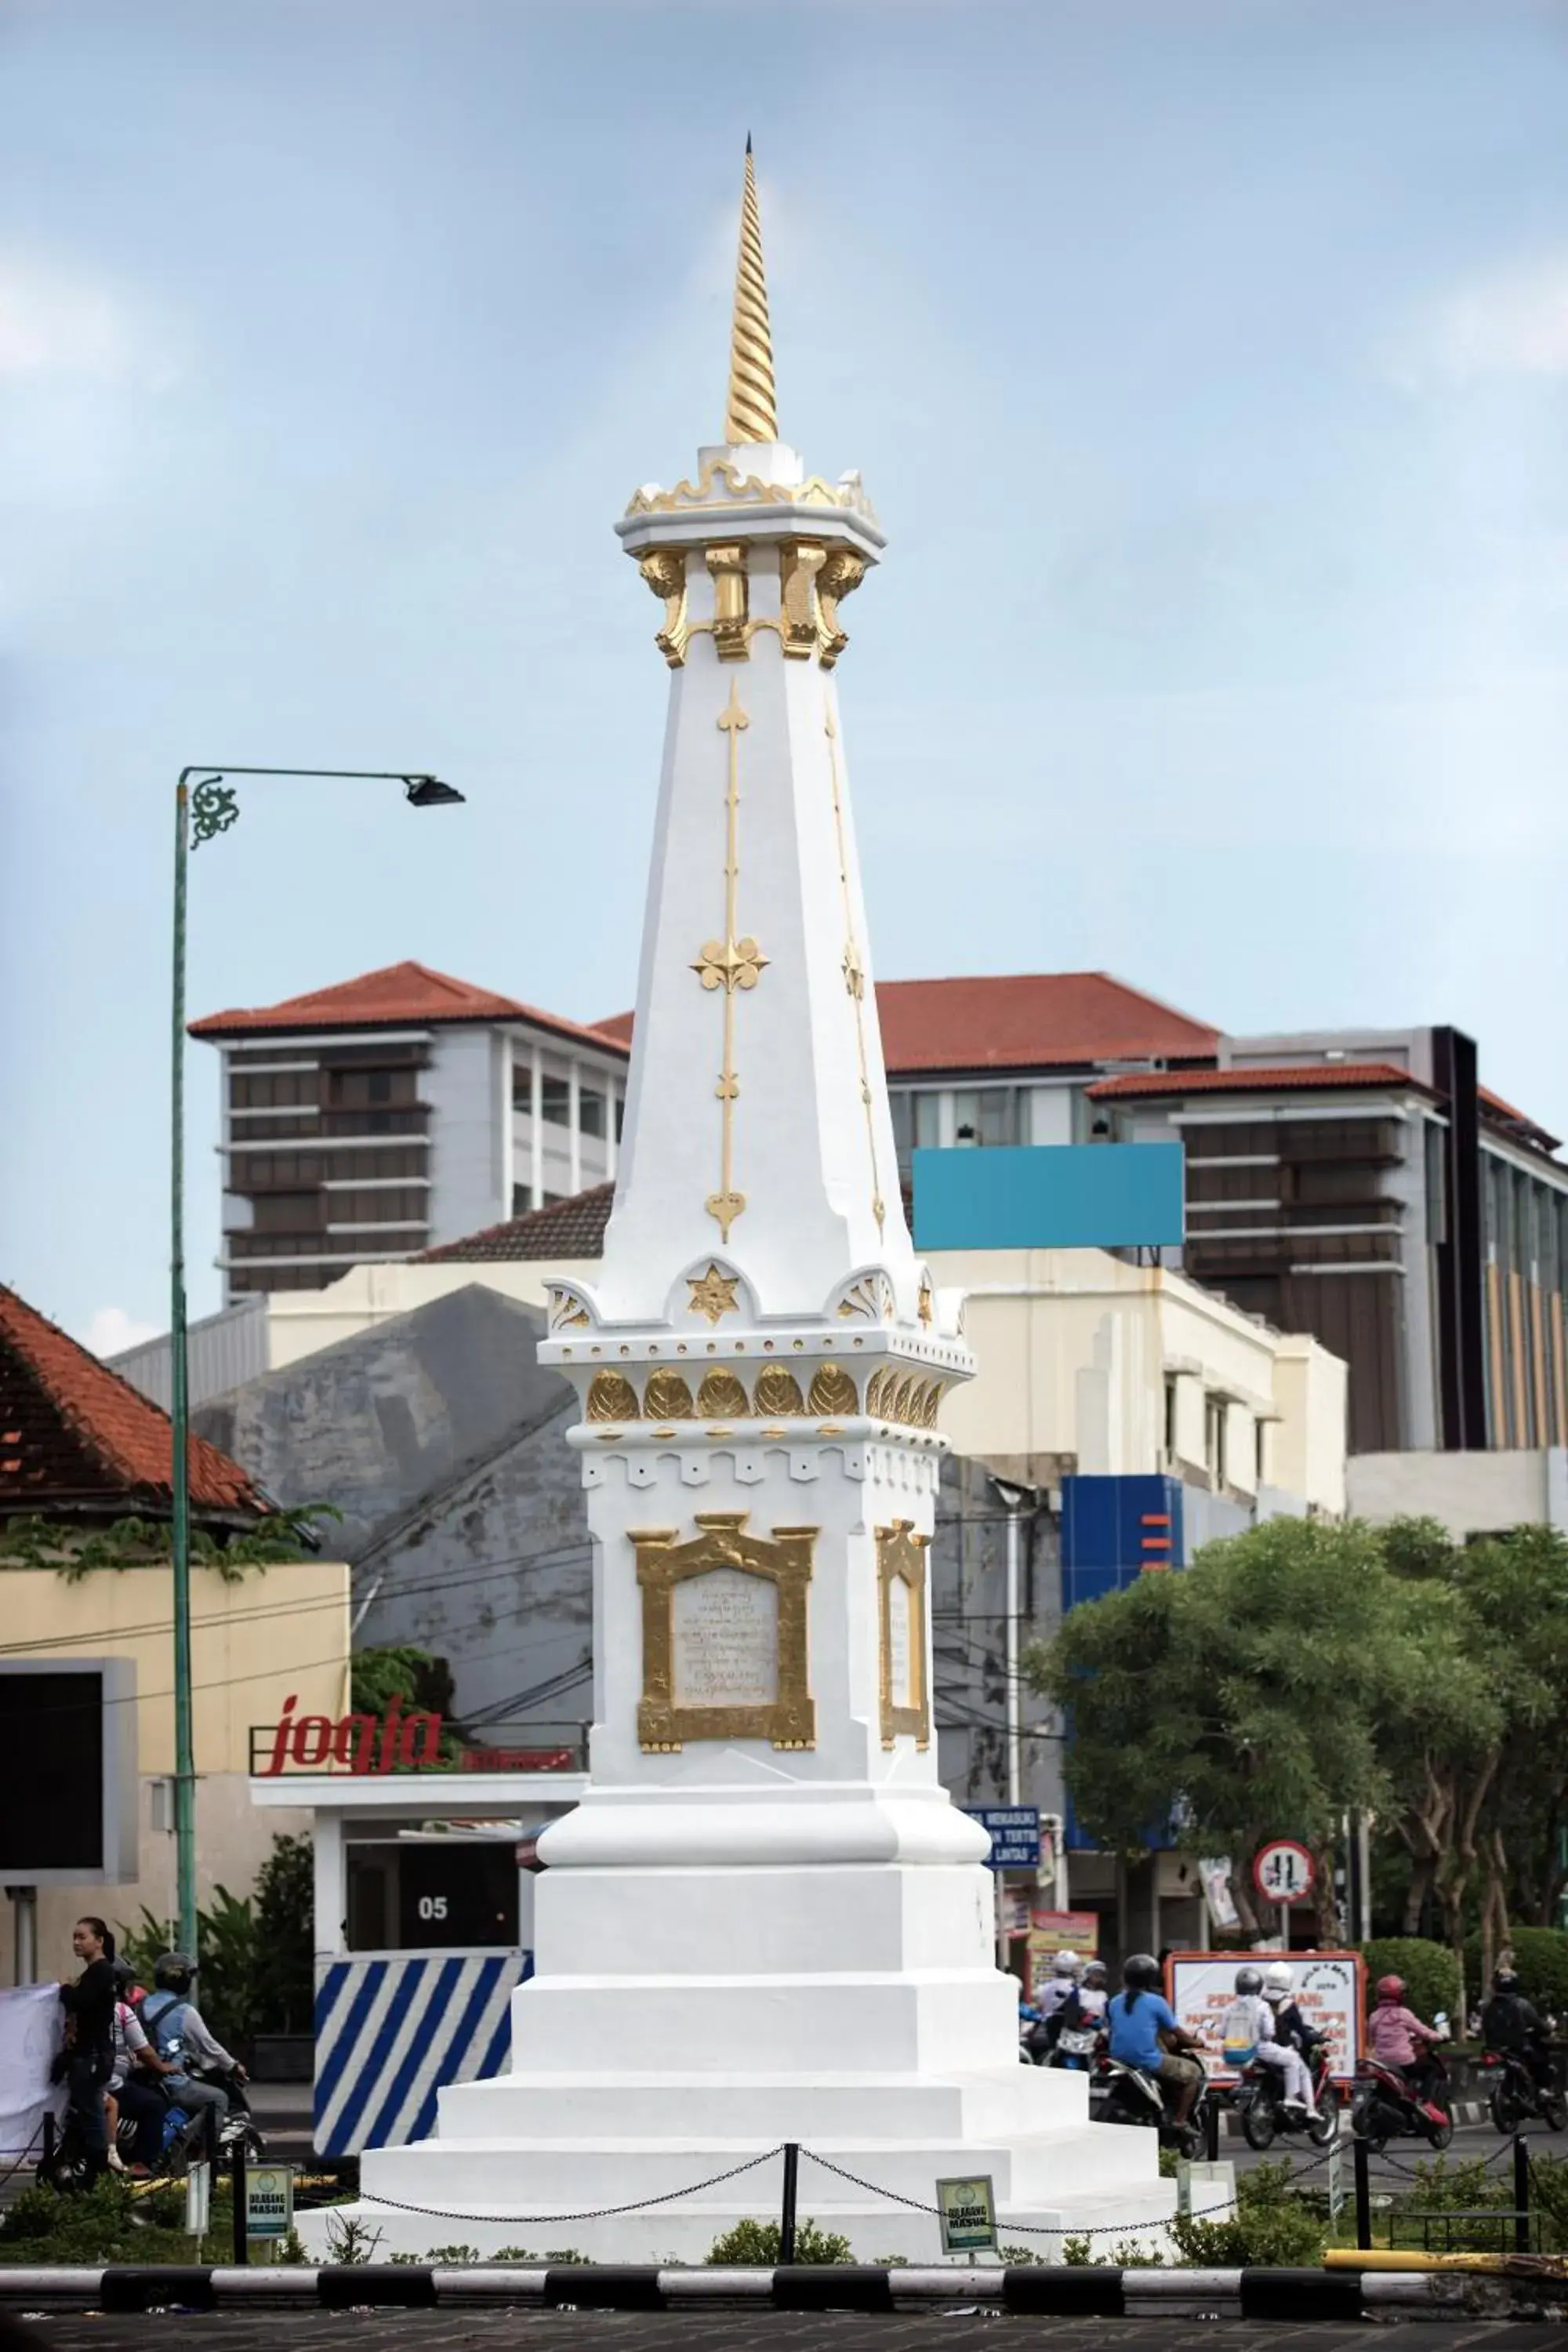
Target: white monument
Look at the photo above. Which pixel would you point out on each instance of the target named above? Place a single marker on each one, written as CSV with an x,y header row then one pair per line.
x,y
765,1921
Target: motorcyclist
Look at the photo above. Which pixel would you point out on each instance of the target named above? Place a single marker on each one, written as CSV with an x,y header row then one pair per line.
x,y
1061,1984
1400,2039
1093,1993
1248,2034
179,2032
1512,2024
1143,2032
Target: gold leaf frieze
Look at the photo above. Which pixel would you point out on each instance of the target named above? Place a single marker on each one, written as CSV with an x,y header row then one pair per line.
x,y
611,1397
723,1396
667,1398
832,1391
778,1391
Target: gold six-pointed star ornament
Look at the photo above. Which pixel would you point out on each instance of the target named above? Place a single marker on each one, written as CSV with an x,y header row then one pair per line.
x,y
714,1295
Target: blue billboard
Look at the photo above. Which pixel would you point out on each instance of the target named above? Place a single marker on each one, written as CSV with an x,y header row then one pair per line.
x,y
1051,1196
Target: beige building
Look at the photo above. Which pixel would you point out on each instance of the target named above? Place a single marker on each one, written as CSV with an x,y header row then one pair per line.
x,y
275,1634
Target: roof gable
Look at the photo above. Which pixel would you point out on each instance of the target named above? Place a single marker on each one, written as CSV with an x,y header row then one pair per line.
x,y
399,996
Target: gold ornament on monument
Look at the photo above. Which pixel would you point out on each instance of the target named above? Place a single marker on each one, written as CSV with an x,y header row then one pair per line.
x,y
667,1398
611,1397
722,1397
778,1391
724,1634
832,1391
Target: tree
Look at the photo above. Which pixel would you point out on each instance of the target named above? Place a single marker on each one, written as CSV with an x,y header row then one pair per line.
x,y
1246,1698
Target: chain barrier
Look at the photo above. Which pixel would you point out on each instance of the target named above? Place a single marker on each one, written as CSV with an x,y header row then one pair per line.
x,y
591,2214
1029,2229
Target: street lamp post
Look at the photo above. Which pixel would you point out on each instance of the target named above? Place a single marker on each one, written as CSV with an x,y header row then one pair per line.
x,y
213,808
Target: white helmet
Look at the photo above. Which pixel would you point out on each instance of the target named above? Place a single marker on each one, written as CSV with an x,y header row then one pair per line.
x,y
1277,1980
1066,1964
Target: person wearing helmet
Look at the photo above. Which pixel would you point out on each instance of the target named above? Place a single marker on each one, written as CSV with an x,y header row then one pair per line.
x,y
1290,2026
1248,2034
1094,1994
1511,2023
1062,1984
1399,2038
1143,2032
182,2037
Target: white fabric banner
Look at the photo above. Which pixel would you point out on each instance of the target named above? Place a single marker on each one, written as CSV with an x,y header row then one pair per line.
x,y
1329,1993
31,2022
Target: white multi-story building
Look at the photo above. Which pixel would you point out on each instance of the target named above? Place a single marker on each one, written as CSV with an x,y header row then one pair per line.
x,y
366,1122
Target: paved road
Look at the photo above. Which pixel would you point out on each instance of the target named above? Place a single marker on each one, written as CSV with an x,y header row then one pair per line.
x,y
745,2331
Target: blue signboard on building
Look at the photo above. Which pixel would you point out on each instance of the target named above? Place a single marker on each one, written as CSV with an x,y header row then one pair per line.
x,y
1014,1834
1051,1196
1115,1530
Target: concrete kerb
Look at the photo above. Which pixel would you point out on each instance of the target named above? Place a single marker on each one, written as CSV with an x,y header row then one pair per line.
x,y
1054,2290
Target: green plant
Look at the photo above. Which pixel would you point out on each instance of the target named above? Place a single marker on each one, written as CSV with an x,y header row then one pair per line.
x,y
411,1676
1271,2227
30,1541
752,2244
285,1912
1429,1970
351,2242
1540,1960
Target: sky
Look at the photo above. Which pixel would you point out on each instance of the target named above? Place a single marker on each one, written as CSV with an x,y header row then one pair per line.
x,y
1206,362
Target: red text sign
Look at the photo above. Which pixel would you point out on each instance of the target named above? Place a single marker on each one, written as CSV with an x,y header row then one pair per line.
x,y
364,1743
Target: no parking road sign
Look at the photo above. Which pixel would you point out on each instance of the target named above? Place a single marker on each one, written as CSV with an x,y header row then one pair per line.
x,y
1284,1872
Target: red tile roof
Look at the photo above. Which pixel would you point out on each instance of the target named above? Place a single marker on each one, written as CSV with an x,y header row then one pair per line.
x,y
400,995
73,1434
563,1229
1029,1021
1503,1114
1286,1077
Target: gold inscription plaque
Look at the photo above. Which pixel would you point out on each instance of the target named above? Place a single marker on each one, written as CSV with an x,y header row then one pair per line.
x,y
772,1644
901,1596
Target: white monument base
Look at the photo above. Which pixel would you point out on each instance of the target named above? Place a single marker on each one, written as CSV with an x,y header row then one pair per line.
x,y
851,2008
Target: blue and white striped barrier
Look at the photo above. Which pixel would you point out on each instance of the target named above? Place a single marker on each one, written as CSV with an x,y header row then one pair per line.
x,y
392,2030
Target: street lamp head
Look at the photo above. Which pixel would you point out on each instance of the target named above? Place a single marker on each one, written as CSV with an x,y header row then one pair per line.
x,y
429,792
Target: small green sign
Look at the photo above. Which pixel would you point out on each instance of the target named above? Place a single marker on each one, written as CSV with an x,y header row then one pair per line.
x,y
968,2210
268,2200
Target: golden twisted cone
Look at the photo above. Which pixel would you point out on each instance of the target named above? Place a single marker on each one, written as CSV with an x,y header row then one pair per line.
x,y
751,412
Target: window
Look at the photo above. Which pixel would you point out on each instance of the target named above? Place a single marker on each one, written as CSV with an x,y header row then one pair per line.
x,y
620,1115
287,1089
590,1111
356,1088
521,1200
985,1116
1170,1417
555,1101
917,1120
1214,1438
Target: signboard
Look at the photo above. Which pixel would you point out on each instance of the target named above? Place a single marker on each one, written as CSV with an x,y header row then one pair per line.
x,y
1014,1834
1051,1932
1201,1986
1284,1872
1049,1196
268,2200
198,2197
354,1743
968,2211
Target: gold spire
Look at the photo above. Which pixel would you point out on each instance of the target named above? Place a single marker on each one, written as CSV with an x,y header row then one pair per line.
x,y
751,412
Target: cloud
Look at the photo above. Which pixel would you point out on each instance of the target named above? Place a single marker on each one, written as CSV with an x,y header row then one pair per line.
x,y
111,1331
1514,323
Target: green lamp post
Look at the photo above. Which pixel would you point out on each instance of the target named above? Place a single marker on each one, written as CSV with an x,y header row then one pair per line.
x,y
201,812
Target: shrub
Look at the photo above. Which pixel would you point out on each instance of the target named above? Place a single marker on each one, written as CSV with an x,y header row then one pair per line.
x,y
752,2244
1541,1959
1271,2227
1427,1968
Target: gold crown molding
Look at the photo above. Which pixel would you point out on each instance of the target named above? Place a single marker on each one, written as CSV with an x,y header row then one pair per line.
x,y
901,1560
662,1563
853,967
751,490
663,568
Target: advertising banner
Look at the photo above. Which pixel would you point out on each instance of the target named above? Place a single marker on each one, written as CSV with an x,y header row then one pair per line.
x,y
1051,1932
1201,1986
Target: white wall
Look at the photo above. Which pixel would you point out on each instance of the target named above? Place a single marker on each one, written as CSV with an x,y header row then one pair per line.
x,y
1472,1494
466,1140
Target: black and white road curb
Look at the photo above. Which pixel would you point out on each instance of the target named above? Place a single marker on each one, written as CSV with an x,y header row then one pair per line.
x,y
1055,2289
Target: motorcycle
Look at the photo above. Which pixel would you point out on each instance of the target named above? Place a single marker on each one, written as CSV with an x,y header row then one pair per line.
x,y
1126,2094
1259,2101
1075,2048
1384,2107
1515,2096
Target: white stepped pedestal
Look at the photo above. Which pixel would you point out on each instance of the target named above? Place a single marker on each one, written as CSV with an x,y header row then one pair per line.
x,y
765,1921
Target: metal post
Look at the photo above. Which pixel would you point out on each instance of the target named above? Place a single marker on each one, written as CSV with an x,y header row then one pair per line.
x,y
25,1924
1363,2195
1211,2130
241,2226
1520,2193
1014,1715
180,1520
786,2215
